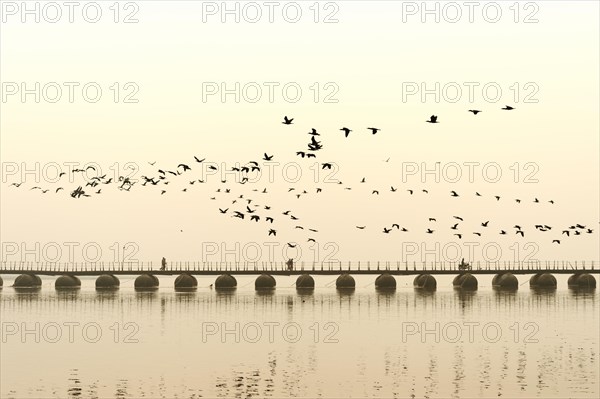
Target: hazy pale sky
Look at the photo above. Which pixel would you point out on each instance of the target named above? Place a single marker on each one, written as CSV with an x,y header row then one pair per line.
x,y
161,80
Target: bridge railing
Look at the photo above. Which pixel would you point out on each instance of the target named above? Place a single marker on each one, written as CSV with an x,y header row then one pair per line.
x,y
332,266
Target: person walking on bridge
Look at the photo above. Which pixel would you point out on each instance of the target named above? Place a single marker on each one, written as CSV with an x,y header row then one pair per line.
x,y
163,266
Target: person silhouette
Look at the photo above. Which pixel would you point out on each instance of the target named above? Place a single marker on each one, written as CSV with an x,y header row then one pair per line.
x,y
163,264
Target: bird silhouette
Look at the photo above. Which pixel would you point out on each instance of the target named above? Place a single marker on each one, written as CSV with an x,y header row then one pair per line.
x,y
374,130
267,157
287,121
507,108
346,131
432,119
453,193
474,111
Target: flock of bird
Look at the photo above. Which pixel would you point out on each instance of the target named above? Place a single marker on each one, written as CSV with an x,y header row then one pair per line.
x,y
247,209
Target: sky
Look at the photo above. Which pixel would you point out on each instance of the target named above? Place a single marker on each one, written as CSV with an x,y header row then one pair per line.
x,y
124,86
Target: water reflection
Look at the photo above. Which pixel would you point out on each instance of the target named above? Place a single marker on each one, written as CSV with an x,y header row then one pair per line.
x,y
369,357
74,388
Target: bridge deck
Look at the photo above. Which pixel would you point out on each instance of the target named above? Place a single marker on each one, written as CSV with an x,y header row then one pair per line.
x,y
280,268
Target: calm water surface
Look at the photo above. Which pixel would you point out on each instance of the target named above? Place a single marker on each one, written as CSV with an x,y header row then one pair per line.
x,y
321,344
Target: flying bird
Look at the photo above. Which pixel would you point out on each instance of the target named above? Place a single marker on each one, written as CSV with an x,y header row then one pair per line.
x,y
287,121
346,131
432,119
474,111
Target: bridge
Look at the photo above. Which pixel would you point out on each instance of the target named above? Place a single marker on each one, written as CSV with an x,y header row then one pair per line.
x,y
504,271
281,268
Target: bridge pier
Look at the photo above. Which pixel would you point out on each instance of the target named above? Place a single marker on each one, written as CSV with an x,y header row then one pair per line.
x,y
186,282
305,282
543,280
505,281
580,281
345,281
465,281
107,282
265,282
146,282
425,282
385,281
67,282
225,282
28,281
